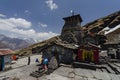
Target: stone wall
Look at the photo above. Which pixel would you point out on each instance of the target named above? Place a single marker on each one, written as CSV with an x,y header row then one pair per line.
x,y
113,37
72,31
64,55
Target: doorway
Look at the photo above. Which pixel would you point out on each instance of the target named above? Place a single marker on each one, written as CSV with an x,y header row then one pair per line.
x,y
87,55
56,55
0,63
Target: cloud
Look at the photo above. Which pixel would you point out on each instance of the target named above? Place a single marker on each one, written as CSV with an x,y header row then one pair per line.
x,y
14,23
31,33
42,25
1,15
21,28
19,22
27,12
51,4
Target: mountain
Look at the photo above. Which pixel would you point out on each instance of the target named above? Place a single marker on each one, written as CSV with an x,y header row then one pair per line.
x,y
30,40
13,43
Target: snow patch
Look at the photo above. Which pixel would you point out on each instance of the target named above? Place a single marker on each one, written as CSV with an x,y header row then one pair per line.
x,y
112,29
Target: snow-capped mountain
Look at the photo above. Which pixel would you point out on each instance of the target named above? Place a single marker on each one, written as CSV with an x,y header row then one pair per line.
x,y
14,43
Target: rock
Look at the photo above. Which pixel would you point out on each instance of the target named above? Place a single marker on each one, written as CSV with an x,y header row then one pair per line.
x,y
71,75
53,64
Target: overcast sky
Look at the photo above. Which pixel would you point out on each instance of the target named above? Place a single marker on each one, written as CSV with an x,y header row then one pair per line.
x,y
42,19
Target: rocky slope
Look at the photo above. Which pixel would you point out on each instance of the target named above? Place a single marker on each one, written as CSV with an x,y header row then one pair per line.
x,y
110,21
113,35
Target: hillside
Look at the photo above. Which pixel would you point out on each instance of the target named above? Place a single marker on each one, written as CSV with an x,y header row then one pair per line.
x,y
110,21
12,43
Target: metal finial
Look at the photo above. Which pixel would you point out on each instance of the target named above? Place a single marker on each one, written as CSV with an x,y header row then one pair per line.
x,y
72,12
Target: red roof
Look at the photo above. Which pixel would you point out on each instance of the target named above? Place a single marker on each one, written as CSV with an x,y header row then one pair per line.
x,y
5,51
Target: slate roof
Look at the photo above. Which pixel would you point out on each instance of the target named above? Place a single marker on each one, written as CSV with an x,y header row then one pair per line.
x,y
52,41
56,40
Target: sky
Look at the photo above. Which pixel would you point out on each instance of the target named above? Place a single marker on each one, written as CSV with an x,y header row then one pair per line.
x,y
42,19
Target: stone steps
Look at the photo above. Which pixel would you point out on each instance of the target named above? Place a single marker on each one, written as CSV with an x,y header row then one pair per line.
x,y
37,74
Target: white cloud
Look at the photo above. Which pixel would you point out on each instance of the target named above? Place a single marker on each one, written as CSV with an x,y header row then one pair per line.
x,y
14,23
31,33
42,25
19,22
1,15
46,35
51,4
24,32
19,27
27,12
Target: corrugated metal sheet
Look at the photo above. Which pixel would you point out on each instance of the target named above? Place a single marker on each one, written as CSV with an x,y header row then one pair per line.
x,y
5,51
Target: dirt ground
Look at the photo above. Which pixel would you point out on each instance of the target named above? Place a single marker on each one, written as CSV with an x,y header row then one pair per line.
x,y
21,70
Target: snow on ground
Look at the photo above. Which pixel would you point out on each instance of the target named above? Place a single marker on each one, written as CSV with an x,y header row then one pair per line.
x,y
103,53
112,29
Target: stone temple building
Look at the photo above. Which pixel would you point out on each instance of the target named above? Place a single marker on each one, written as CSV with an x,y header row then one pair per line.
x,y
72,31
73,36
64,47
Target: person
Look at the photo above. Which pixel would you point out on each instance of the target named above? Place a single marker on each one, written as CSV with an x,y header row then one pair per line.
x,y
14,57
45,64
29,60
37,60
118,53
40,60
